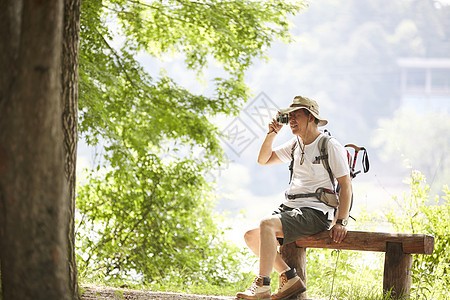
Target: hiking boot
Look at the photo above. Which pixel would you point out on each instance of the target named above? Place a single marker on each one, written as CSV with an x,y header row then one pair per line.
x,y
288,287
256,291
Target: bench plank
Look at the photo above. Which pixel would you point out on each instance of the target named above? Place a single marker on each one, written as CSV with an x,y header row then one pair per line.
x,y
371,241
397,246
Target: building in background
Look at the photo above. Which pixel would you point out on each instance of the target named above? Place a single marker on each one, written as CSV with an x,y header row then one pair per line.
x,y
425,83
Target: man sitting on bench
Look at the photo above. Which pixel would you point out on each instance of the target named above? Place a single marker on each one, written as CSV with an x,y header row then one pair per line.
x,y
302,213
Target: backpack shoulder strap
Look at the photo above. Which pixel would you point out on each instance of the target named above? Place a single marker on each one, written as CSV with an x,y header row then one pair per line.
x,y
323,149
291,166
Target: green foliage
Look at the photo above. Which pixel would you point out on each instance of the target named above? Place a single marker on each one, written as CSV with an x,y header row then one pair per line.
x,y
358,275
156,221
336,274
146,212
419,214
343,274
232,32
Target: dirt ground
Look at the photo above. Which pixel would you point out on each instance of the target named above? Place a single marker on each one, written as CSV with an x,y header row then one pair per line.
x,y
91,292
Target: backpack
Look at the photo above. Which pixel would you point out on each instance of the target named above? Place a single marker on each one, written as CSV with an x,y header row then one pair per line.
x,y
323,149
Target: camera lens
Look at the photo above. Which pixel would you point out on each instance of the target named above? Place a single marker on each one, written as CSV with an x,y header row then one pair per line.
x,y
282,119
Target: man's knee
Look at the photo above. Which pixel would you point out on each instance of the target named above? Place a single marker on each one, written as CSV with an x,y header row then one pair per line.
x,y
251,235
270,223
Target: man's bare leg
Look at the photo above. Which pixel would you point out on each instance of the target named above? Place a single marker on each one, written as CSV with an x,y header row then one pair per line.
x,y
263,242
269,229
252,239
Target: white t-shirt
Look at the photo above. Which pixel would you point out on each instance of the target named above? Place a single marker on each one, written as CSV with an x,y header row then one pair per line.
x,y
312,174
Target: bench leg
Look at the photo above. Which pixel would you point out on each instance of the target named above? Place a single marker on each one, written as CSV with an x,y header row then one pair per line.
x,y
295,258
397,271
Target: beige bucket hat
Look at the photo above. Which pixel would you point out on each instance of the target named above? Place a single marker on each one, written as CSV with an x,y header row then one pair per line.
x,y
306,103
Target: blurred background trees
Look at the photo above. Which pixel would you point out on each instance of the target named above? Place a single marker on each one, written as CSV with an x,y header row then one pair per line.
x,y
367,63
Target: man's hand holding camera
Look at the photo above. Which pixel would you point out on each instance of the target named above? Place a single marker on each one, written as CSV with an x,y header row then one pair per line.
x,y
274,127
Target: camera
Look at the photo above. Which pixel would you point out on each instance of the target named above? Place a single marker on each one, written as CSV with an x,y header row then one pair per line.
x,y
282,119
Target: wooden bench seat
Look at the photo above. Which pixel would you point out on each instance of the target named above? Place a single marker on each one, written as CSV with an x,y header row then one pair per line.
x,y
397,246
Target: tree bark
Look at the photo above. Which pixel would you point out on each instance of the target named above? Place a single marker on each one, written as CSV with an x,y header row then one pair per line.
x,y
397,272
33,187
69,79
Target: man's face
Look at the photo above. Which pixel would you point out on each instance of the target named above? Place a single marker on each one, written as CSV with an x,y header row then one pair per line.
x,y
297,121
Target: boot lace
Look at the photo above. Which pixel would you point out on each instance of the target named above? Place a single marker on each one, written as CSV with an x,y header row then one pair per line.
x,y
282,282
256,283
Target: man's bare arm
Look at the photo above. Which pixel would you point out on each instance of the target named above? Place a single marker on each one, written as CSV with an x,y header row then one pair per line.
x,y
338,232
266,155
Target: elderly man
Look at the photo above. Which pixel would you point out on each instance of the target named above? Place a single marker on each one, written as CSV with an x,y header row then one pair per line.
x,y
301,214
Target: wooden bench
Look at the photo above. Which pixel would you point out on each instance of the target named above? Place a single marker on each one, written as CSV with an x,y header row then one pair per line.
x,y
397,246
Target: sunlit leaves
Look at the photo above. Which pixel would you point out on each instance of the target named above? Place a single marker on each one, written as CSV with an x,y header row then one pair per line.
x,y
147,209
419,214
232,32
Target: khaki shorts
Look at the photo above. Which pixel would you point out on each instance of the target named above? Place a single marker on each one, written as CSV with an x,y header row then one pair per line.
x,y
300,222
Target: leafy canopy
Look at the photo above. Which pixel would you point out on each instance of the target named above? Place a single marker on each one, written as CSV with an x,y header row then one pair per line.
x,y
147,208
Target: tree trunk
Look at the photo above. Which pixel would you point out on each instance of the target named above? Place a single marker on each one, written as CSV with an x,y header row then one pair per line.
x,y
33,187
71,37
